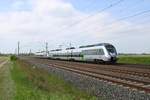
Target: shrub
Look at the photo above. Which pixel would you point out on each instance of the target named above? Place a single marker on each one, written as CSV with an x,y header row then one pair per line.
x,y
13,58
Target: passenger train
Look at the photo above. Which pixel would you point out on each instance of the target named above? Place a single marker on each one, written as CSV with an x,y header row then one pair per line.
x,y
102,52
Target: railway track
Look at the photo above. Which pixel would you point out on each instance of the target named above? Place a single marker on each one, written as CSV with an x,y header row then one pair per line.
x,y
141,70
111,68
113,79
134,78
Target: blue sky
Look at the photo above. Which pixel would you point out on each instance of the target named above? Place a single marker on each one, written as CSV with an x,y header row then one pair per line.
x,y
125,8
7,5
90,6
34,22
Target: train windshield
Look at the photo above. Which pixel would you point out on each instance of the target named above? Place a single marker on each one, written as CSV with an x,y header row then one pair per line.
x,y
110,49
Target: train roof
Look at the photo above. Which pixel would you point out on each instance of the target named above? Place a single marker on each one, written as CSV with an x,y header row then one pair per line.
x,y
85,46
70,48
56,50
41,52
93,45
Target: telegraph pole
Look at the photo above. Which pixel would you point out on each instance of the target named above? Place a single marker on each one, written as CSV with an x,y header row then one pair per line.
x,y
18,48
30,52
46,48
15,53
60,46
70,45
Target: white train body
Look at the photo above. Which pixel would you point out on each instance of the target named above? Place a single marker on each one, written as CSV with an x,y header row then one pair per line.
x,y
103,52
39,53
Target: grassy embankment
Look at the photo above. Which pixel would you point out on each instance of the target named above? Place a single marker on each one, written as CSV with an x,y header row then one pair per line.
x,y
32,83
134,59
6,82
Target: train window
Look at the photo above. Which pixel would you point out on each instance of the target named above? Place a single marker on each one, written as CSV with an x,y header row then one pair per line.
x,y
110,49
101,52
93,52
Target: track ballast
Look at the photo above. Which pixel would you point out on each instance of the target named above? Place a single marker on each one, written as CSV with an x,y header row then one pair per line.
x,y
131,77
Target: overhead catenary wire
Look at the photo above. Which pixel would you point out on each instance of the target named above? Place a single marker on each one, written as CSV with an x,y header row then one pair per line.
x,y
93,14
128,17
123,18
134,15
118,20
110,6
98,12
27,46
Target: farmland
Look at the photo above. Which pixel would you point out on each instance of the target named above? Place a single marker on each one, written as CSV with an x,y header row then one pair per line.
x,y
20,80
134,59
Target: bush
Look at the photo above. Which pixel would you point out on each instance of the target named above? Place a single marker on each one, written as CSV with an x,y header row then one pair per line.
x,y
13,58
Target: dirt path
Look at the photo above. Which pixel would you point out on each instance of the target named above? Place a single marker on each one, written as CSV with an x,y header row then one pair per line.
x,y
6,83
3,63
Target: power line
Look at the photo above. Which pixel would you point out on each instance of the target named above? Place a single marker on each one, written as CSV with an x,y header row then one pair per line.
x,y
134,15
130,16
124,18
118,20
91,15
100,11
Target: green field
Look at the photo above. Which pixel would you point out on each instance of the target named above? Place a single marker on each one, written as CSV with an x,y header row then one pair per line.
x,y
21,81
134,59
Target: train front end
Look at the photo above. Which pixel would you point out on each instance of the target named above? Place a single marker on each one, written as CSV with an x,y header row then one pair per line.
x,y
111,53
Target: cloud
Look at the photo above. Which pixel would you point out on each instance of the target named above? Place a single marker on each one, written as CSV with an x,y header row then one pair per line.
x,y
34,21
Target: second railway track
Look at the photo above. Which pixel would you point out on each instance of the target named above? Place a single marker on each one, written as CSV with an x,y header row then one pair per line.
x,y
134,78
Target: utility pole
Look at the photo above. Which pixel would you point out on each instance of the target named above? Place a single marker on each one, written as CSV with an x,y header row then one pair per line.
x,y
70,48
46,48
18,48
30,52
15,53
60,46
70,45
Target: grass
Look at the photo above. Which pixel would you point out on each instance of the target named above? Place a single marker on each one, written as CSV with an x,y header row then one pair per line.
x,y
6,83
36,84
134,59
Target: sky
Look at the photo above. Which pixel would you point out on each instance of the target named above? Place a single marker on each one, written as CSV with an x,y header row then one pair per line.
x,y
123,23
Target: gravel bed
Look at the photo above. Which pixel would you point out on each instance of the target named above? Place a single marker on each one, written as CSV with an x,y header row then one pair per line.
x,y
95,86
